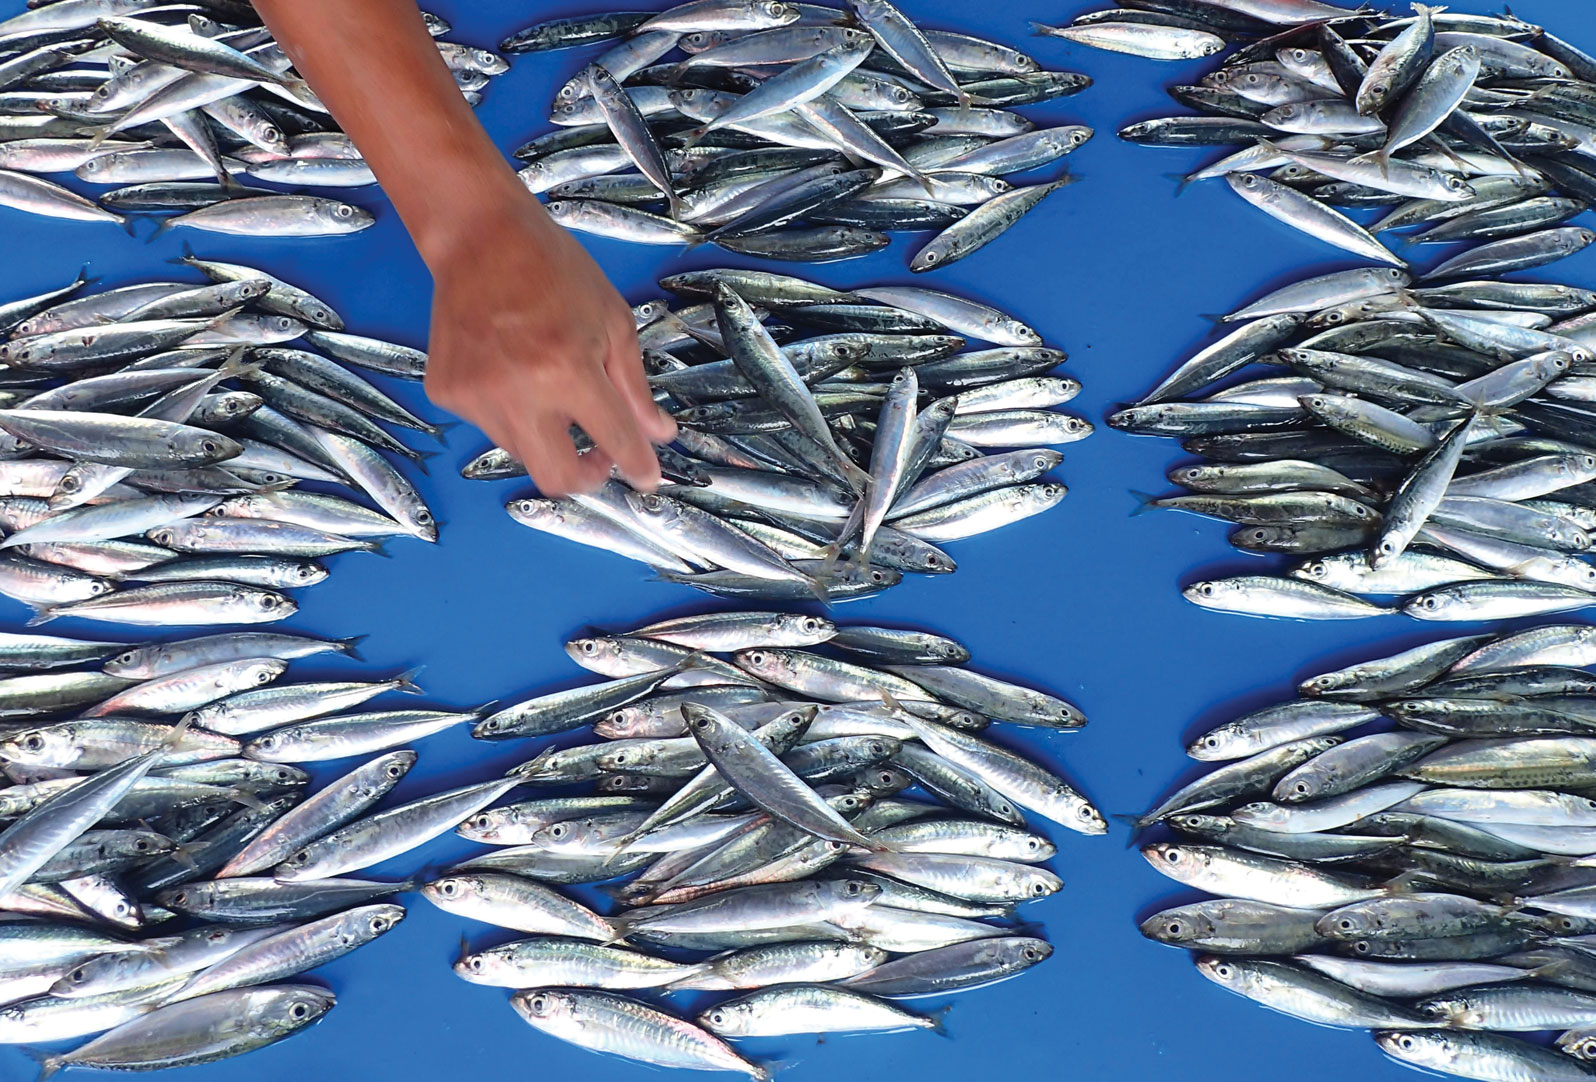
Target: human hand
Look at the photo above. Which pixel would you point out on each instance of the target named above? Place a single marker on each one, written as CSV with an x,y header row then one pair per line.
x,y
529,337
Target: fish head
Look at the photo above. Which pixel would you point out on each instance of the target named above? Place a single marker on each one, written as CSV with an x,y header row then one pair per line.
x,y
1175,860
139,843
50,745
599,653
881,780
1579,1043
342,216
1230,973
735,1018
103,973
1436,1050
853,891
288,1008
797,629
202,447
546,1007
1184,924
369,922
187,898
453,890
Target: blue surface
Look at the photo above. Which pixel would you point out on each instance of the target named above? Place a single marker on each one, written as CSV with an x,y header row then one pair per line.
x,y
1082,601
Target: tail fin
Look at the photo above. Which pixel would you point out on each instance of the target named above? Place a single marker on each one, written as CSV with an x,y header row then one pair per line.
x,y
1148,502
42,615
348,646
406,682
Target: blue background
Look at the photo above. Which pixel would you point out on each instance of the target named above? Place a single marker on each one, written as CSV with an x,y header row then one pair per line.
x,y
1082,600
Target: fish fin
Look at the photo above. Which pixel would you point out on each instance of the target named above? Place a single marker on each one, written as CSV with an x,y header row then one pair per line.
x,y
165,224
485,709
938,1019
406,682
378,548
349,646
694,137
1146,502
184,260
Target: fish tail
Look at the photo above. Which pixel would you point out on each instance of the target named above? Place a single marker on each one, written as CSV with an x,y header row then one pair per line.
x,y
49,1064
406,681
1182,182
377,547
349,646
1146,502
187,258
245,797
42,615
1039,29
938,1019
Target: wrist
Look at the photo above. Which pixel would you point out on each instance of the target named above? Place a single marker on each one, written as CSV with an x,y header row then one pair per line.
x,y
470,210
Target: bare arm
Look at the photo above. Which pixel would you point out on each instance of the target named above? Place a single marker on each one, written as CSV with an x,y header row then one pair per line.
x,y
528,335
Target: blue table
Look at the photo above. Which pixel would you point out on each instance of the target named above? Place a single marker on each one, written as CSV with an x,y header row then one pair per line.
x,y
1082,600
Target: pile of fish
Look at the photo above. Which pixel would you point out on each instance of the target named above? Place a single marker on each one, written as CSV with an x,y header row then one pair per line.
x,y
792,131
1422,448
866,433
164,867
173,104
1407,848
749,783
1478,127
152,437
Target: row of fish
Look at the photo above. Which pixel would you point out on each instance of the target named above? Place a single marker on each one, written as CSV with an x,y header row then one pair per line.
x,y
1478,127
829,440
155,435
1424,448
1422,443
1406,848
165,866
748,783
792,131
184,107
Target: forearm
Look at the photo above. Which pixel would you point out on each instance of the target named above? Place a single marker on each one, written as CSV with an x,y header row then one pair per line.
x,y
377,70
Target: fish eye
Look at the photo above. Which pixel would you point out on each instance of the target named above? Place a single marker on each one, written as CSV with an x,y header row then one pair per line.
x,y
344,211
34,742
379,924
141,846
1032,954
1174,928
717,1017
394,771
299,1012
447,888
558,830
180,898
537,1004
208,446
1039,888
1406,1043
1223,971
1172,856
